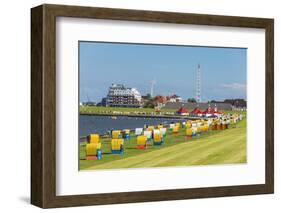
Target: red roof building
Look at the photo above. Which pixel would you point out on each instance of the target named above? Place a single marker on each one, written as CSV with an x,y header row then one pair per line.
x,y
197,111
209,110
182,111
216,111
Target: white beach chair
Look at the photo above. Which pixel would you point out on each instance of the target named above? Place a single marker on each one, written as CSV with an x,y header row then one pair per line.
x,y
163,131
138,131
172,126
148,134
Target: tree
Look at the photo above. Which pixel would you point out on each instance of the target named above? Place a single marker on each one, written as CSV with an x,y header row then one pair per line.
x,y
191,100
149,104
148,96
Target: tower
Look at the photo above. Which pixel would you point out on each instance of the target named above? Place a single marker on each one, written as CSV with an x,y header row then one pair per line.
x,y
198,84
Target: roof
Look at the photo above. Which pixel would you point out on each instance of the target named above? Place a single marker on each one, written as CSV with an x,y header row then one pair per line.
x,y
197,111
190,106
217,111
209,110
182,110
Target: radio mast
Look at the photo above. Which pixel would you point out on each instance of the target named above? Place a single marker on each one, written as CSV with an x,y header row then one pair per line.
x,y
198,84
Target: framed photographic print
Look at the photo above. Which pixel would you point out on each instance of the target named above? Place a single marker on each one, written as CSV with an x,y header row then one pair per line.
x,y
137,106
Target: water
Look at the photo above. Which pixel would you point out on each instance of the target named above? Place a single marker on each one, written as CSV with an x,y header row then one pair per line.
x,y
102,124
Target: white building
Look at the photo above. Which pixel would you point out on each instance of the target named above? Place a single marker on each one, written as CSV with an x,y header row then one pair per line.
x,y
121,96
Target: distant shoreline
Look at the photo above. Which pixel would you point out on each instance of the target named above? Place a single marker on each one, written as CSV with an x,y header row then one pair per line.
x,y
140,116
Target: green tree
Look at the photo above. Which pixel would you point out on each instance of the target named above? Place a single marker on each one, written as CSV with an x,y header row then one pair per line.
x,y
191,100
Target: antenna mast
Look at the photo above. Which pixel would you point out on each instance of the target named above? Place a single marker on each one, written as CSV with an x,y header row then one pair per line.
x,y
198,84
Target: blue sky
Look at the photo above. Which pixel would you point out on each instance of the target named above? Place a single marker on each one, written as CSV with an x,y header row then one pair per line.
x,y
223,70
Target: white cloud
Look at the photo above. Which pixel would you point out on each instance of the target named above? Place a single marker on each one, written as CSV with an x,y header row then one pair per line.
x,y
234,86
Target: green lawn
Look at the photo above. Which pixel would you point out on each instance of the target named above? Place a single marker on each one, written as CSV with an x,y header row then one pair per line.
x,y
214,147
123,110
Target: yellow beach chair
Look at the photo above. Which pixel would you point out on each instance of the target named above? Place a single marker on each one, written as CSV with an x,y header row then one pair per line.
x,y
117,146
176,129
93,138
158,139
188,132
116,134
141,142
93,151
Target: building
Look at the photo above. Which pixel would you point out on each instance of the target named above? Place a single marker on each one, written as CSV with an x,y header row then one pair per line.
x,y
237,103
196,112
174,98
191,106
182,111
121,96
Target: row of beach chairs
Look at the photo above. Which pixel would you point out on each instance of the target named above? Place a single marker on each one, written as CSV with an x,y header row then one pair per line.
x,y
155,134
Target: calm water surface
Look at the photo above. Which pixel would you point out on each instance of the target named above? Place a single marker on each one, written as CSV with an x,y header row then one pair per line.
x,y
102,124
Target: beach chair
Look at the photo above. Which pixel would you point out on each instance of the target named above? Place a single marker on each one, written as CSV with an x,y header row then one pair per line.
x,y
117,146
183,124
241,117
115,134
194,131
223,125
194,124
158,139
126,134
214,125
155,131
227,123
206,127
199,130
138,131
188,124
178,125
210,121
176,129
160,126
93,138
188,132
141,142
163,131
148,134
93,151
150,128
219,125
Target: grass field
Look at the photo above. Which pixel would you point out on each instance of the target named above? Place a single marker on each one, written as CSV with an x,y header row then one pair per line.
x,y
123,110
214,147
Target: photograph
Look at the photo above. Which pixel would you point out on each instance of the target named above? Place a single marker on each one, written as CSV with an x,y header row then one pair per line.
x,y
158,105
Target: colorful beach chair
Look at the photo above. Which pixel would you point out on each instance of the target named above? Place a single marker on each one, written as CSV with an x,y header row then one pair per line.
x,y
138,131
141,142
93,151
163,131
126,134
188,132
115,134
150,128
93,138
176,129
158,139
117,146
148,134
